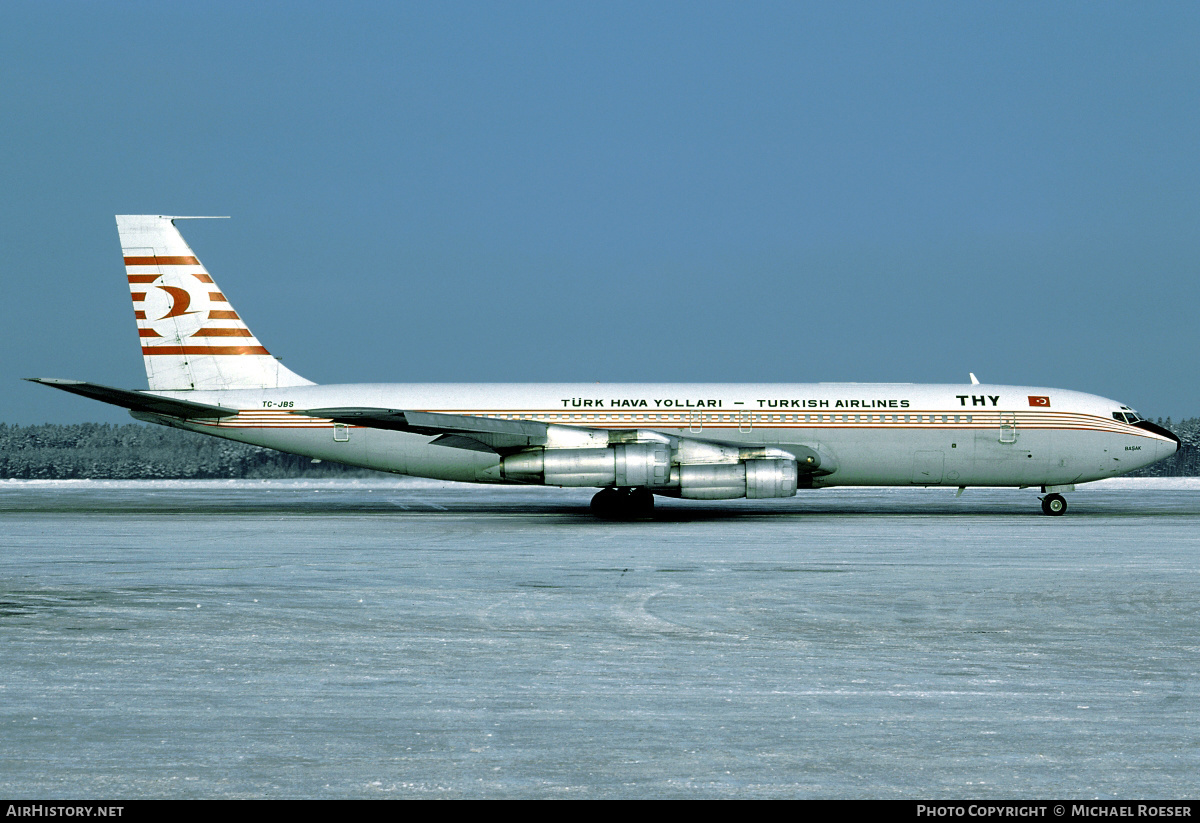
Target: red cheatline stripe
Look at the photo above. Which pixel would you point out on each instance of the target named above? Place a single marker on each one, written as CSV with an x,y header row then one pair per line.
x,y
204,350
139,314
138,296
161,261
223,333
223,314
148,333
216,295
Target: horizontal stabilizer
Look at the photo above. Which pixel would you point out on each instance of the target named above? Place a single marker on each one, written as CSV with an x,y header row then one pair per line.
x,y
137,400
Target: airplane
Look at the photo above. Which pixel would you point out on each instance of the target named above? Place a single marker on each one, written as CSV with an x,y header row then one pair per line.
x,y
208,373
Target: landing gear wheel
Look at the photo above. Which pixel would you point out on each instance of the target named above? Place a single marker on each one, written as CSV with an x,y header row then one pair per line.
x,y
640,502
623,504
607,502
1054,505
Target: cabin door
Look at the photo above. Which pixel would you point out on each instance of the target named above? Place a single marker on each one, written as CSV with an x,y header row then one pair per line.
x,y
1008,427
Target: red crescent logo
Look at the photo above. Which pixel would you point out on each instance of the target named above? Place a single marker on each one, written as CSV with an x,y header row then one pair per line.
x,y
180,300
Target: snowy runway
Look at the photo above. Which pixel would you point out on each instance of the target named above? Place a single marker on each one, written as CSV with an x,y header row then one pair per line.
x,y
405,638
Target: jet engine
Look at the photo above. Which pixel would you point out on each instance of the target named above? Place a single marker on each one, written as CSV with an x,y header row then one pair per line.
x,y
755,479
691,469
626,465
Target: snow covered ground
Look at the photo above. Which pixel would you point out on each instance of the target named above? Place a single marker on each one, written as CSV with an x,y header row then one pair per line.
x,y
405,638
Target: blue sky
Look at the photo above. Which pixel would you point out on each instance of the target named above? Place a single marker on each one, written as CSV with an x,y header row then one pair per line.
x,y
774,192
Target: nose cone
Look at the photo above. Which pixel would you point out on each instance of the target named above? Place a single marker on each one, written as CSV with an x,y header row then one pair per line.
x,y
1163,448
1166,449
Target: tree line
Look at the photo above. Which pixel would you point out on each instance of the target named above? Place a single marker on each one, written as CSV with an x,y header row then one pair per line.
x,y
104,451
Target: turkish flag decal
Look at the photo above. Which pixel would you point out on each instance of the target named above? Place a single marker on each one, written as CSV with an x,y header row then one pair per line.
x,y
1039,401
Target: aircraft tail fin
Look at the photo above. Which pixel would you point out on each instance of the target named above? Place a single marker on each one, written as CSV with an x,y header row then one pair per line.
x,y
190,334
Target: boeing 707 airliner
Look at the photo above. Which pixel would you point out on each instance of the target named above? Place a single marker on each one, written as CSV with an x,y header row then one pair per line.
x,y
208,373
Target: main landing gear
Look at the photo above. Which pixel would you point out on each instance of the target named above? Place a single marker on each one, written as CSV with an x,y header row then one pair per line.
x,y
623,504
1054,505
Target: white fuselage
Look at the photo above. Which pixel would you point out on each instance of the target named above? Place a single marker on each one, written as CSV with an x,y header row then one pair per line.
x,y
870,434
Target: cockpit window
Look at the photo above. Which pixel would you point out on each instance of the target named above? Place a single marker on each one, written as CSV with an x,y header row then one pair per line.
x,y
1129,417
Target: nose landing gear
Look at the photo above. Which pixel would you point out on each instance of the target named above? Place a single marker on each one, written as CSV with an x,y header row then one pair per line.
x,y
623,504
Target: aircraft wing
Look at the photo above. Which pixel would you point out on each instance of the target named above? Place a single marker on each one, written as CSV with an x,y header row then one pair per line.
x,y
458,431
426,422
138,401
490,434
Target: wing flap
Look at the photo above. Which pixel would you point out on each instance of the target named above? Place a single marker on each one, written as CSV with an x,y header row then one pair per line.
x,y
459,441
